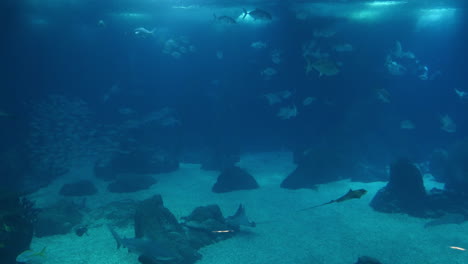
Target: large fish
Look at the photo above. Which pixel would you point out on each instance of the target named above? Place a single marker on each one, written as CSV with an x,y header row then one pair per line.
x,y
148,249
356,194
240,218
31,257
258,14
224,19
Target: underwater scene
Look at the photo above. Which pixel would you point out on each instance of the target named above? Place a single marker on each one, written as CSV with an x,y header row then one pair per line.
x,y
233,131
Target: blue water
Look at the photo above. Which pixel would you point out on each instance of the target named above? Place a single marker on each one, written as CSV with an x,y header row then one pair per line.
x,y
208,77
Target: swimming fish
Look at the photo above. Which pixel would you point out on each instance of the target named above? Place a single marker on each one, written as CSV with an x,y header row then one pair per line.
x,y
143,32
31,257
258,14
240,218
324,66
224,19
148,249
356,194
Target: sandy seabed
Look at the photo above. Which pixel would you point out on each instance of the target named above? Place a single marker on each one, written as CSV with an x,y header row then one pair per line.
x,y
333,234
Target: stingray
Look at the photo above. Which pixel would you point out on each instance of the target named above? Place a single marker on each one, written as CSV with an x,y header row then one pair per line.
x,y
240,218
356,194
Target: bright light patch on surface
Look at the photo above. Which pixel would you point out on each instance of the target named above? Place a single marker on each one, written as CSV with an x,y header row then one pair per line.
x,y
386,3
436,16
132,16
365,15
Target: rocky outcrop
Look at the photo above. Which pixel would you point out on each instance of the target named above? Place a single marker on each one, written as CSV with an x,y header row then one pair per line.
x,y
317,167
155,222
404,193
234,178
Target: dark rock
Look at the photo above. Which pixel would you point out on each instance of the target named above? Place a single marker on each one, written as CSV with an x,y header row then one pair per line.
x,y
317,167
58,219
16,227
234,178
404,193
203,223
126,183
367,260
154,221
79,188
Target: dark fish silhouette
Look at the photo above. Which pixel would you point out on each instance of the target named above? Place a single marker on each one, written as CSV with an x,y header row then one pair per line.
x,y
240,218
224,19
148,249
356,194
258,14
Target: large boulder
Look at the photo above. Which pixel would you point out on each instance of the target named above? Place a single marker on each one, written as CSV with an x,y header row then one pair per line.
x,y
234,178
155,222
318,166
404,193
